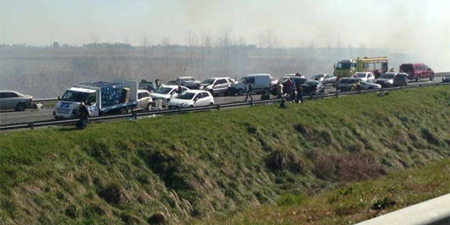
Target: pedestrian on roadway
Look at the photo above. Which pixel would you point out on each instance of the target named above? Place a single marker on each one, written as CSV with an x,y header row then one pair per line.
x,y
249,91
299,97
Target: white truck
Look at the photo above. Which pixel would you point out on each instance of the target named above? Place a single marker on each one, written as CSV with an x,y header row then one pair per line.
x,y
97,98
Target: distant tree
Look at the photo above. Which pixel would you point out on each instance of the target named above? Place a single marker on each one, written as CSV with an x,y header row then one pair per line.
x,y
55,44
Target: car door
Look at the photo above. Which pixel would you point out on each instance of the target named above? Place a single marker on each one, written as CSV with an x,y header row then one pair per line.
x,y
9,100
198,99
220,86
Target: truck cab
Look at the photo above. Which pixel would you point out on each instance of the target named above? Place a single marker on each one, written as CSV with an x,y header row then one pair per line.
x,y
76,101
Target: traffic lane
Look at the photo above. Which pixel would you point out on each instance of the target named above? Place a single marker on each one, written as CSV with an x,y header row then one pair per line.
x,y
28,115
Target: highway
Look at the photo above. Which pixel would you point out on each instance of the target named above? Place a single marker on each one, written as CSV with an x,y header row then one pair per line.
x,y
30,115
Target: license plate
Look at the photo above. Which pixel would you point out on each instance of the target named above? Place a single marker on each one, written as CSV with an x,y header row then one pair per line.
x,y
64,105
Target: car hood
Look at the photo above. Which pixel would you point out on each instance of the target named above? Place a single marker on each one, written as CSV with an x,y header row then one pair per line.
x,y
160,96
384,80
177,101
192,82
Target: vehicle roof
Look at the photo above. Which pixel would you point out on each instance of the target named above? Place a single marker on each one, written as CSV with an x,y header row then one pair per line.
x,y
142,90
185,77
218,78
10,91
414,64
257,74
78,89
195,91
171,86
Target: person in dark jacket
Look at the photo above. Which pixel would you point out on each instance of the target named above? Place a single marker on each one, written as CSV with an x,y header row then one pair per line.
x,y
299,97
249,91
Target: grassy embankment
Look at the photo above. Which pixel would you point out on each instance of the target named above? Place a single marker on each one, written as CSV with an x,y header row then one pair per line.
x,y
210,164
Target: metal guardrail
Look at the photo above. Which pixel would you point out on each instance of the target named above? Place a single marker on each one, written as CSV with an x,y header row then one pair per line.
x,y
41,123
432,212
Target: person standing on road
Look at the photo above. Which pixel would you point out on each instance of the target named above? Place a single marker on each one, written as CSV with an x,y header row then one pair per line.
x,y
299,93
376,73
279,89
293,86
249,91
288,91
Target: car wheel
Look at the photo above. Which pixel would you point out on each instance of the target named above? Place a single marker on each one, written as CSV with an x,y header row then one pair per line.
x,y
211,104
21,106
149,107
191,106
240,92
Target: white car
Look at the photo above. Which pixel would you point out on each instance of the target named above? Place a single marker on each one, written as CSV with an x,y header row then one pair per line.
x,y
217,85
144,100
15,100
165,93
192,98
365,76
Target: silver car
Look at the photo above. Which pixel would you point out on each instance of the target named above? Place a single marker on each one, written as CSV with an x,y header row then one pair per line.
x,y
15,100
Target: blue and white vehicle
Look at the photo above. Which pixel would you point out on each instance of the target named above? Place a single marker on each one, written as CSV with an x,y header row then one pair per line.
x,y
97,98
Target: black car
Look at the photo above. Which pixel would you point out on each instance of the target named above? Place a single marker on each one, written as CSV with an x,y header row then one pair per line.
x,y
312,87
446,79
283,80
401,79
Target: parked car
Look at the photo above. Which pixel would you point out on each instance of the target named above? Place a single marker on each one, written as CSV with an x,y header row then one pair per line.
x,y
417,71
217,85
364,76
446,79
15,100
325,78
368,86
292,75
188,82
260,82
165,93
386,79
192,98
144,100
401,79
345,83
312,87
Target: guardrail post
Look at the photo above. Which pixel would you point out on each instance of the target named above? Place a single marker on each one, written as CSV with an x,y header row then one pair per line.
x,y
251,102
218,107
179,110
336,94
31,125
135,115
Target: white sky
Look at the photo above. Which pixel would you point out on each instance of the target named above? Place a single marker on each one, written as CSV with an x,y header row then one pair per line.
x,y
404,24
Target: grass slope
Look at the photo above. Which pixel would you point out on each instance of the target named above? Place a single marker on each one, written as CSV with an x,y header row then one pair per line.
x,y
199,165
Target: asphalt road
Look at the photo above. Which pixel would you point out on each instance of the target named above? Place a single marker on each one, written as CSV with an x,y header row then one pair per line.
x,y
29,115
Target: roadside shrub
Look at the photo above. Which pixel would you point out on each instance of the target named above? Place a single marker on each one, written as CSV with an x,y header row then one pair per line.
x,y
112,193
282,159
359,166
383,204
157,218
291,199
427,135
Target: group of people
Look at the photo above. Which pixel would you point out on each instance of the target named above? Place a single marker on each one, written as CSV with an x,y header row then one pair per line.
x,y
291,90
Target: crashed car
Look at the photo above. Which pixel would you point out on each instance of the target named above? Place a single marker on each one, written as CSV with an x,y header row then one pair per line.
x,y
188,82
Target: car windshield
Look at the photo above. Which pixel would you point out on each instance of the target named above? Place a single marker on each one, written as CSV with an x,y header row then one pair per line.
x,y
317,77
361,75
311,83
343,65
75,96
163,90
208,81
243,80
300,80
186,95
187,79
387,75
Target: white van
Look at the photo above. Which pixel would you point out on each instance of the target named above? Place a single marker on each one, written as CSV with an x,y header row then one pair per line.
x,y
260,83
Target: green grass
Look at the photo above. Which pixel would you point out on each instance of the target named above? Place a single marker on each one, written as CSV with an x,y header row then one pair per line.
x,y
211,164
351,203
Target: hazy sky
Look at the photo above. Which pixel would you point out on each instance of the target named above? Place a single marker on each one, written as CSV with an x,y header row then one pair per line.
x,y
406,24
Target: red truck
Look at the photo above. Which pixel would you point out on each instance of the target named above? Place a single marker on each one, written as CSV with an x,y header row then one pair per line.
x,y
417,71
